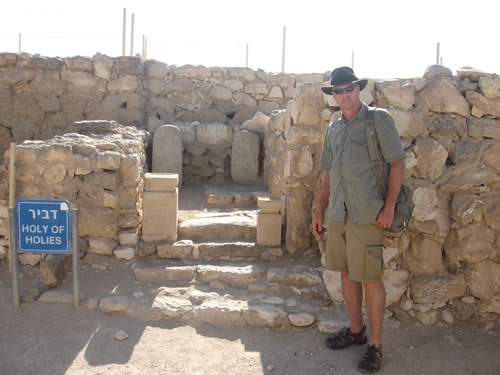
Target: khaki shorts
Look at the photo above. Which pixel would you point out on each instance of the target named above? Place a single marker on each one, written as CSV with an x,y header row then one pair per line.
x,y
355,249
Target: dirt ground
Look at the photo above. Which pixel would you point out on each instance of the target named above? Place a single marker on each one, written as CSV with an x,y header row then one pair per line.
x,y
55,338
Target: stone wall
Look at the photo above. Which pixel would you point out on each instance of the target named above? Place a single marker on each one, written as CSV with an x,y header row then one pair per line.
x,y
447,264
39,96
98,166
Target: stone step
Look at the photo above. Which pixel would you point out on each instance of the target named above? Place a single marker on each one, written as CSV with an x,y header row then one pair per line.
x,y
229,195
213,226
223,250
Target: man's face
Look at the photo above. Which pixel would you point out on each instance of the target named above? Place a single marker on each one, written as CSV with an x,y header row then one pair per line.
x,y
347,97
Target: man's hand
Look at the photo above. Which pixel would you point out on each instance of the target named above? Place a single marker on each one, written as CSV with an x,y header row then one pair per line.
x,y
385,217
318,220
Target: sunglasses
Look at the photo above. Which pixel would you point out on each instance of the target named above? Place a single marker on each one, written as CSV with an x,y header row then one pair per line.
x,y
346,89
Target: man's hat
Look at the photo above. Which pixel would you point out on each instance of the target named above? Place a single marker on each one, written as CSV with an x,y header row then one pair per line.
x,y
343,76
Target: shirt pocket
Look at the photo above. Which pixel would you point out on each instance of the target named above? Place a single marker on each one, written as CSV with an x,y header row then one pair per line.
x,y
359,150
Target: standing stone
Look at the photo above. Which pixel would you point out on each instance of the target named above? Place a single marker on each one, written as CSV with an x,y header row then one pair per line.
x,y
167,151
245,157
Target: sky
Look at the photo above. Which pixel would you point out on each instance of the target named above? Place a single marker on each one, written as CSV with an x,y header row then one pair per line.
x,y
388,38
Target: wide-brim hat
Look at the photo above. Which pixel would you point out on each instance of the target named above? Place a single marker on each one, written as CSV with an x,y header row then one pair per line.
x,y
343,76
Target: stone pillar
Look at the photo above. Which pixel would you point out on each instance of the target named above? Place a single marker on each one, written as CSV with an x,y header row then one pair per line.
x,y
245,157
269,221
167,150
160,204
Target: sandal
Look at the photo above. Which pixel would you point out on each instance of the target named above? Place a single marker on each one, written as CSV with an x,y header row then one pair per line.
x,y
345,338
371,361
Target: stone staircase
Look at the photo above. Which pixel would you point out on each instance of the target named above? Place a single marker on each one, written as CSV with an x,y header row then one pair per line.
x,y
217,274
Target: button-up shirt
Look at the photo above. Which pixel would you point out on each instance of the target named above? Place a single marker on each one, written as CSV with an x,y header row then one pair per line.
x,y
345,154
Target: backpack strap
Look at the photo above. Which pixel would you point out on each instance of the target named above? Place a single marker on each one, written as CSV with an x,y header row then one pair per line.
x,y
374,152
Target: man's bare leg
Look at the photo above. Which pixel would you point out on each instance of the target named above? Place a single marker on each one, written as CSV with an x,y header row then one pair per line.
x,y
375,304
353,295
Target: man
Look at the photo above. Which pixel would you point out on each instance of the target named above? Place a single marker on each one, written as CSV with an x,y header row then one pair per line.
x,y
357,214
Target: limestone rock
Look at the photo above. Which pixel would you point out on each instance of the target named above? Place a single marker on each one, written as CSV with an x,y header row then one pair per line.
x,y
410,123
240,276
472,74
485,128
264,315
221,312
214,134
171,307
56,296
297,275
446,124
441,95
430,214
56,270
333,284
258,123
425,256
30,259
492,212
490,86
307,105
121,335
156,69
427,318
245,157
164,273
302,319
298,219
395,282
470,181
113,304
125,252
103,246
466,208
488,107
437,70
471,244
167,151
300,136
177,250
102,66
299,162
396,94
484,280
428,289
191,71
431,158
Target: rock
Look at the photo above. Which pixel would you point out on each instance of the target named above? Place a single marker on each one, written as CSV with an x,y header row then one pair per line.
x,y
121,335
240,276
490,157
92,303
442,96
264,316
396,94
191,71
171,307
298,219
103,246
427,318
164,273
469,181
221,312
245,157
302,319
431,158
430,215
463,311
424,256
56,270
145,249
471,244
56,296
299,162
125,252
484,128
471,74
490,86
300,136
437,71
112,304
409,123
257,124
488,107
30,259
483,280
128,238
492,212
215,134
307,105
448,317
329,326
395,282
297,275
167,151
466,208
446,124
177,250
429,289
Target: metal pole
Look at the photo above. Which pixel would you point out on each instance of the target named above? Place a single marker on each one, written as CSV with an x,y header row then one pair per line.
x,y
19,42
247,58
437,54
13,256
12,191
283,55
124,30
76,257
132,36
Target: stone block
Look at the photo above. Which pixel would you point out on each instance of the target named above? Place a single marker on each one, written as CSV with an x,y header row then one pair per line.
x,y
268,205
167,151
268,229
55,270
160,216
245,157
161,182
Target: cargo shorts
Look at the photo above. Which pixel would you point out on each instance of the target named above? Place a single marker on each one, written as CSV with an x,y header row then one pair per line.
x,y
355,249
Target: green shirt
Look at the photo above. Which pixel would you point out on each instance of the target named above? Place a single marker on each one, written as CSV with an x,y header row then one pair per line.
x,y
345,154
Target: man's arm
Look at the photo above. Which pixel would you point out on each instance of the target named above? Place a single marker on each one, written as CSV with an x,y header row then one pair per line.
x,y
319,218
386,215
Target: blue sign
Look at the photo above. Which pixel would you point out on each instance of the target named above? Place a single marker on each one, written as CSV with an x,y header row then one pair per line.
x,y
43,226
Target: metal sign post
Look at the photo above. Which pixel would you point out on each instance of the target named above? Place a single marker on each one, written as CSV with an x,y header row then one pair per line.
x,y
76,257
